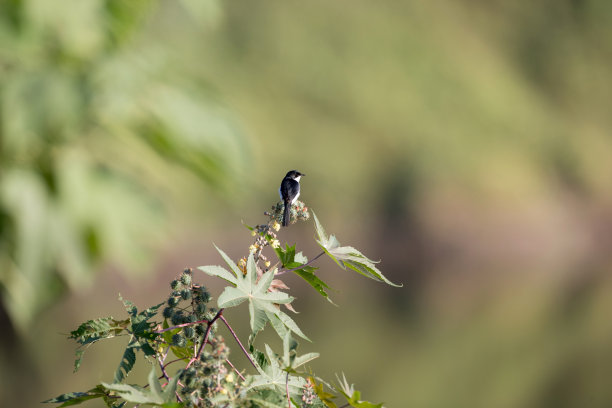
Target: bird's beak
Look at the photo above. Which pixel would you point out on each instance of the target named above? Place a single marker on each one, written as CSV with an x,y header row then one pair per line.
x,y
302,174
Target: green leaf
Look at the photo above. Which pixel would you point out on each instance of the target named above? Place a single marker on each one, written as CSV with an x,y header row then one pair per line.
x,y
273,376
218,271
291,361
93,330
127,362
75,398
348,256
237,272
323,395
352,396
140,395
290,260
308,274
79,358
263,305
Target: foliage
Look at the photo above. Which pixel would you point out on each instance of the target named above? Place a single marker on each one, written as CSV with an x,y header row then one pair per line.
x,y
188,324
92,127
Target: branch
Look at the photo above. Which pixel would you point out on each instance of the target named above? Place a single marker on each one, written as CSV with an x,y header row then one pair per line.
x,y
301,266
237,372
238,341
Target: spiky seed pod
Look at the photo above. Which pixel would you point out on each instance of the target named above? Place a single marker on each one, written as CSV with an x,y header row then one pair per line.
x,y
189,332
175,284
200,329
186,294
172,301
178,340
192,318
187,270
177,318
186,279
200,308
168,312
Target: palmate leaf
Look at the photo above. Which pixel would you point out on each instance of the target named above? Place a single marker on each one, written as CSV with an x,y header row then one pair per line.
x,y
263,305
348,256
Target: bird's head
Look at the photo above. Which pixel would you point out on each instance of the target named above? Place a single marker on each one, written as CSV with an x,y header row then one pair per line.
x,y
295,175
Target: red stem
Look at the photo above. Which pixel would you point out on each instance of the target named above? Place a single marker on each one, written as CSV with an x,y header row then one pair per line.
x,y
238,341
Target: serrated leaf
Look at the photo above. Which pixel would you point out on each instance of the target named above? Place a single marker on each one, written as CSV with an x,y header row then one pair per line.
x,y
348,256
287,322
127,362
307,273
262,302
305,358
79,359
237,272
75,398
219,272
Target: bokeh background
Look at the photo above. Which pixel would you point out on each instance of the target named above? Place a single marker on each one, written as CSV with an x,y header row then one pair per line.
x,y
467,144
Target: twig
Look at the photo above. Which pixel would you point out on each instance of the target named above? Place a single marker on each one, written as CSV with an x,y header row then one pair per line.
x,y
237,372
301,266
238,341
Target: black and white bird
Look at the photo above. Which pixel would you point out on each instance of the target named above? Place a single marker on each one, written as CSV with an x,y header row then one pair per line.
x,y
289,192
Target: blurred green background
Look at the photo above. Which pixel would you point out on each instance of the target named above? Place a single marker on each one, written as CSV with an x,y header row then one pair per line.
x,y
465,143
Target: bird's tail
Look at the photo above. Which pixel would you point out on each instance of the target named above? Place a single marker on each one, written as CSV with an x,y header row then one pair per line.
x,y
286,214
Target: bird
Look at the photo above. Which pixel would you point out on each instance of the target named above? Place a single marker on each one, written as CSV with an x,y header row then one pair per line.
x,y
289,192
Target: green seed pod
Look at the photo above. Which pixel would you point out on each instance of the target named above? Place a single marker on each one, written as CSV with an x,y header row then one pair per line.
x,y
200,308
192,318
172,301
175,284
186,279
189,332
200,329
177,318
205,296
186,294
178,340
168,312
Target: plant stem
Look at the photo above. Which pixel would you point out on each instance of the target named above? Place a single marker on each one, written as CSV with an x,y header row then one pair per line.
x,y
301,266
238,341
205,339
